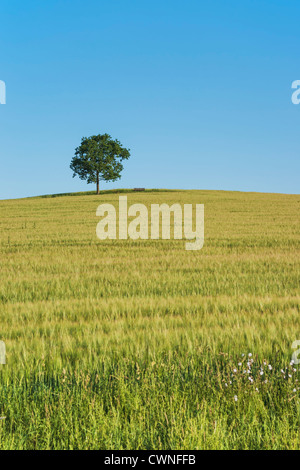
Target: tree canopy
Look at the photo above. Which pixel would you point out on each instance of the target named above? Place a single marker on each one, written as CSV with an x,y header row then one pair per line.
x,y
99,157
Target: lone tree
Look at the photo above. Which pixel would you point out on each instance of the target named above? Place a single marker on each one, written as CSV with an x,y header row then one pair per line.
x,y
98,158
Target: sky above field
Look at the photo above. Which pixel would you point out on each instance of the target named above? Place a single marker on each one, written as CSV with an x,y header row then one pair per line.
x,y
200,91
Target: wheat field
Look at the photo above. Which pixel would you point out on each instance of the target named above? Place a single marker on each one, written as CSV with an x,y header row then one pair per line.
x,y
122,344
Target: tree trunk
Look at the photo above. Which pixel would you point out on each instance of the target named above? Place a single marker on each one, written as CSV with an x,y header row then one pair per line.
x,y
98,192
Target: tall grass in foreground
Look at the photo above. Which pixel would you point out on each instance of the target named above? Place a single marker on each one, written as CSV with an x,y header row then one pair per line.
x,y
139,345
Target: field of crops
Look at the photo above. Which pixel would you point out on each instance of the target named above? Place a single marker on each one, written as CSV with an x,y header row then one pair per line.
x,y
123,344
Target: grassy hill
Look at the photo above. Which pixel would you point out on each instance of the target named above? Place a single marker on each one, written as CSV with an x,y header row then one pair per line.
x,y
123,344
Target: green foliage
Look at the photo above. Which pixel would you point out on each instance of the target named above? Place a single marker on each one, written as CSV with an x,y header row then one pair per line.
x,y
99,157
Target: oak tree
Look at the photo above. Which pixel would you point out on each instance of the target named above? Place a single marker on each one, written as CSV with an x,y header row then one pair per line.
x,y
99,157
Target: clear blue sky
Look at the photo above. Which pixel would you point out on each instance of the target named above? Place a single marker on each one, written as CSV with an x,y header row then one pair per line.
x,y
200,91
